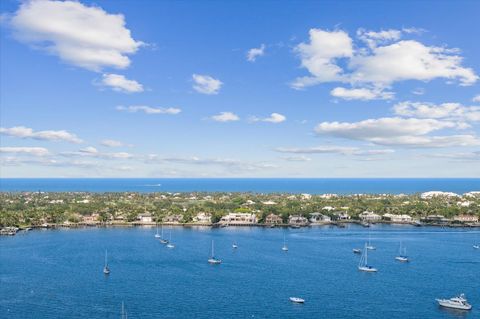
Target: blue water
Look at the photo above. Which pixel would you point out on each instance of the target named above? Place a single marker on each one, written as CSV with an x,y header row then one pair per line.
x,y
259,185
58,273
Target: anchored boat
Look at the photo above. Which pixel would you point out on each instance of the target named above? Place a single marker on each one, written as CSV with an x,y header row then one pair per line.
x,y
459,302
212,260
363,264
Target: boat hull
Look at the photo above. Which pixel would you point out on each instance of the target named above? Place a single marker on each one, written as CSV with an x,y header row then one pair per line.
x,y
367,269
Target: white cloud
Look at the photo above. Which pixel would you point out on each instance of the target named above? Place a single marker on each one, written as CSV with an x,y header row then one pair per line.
x,y
344,150
35,151
364,94
372,38
411,132
386,59
25,132
273,118
225,117
91,151
254,53
112,143
419,91
206,84
231,164
120,83
409,60
148,109
476,98
88,37
301,158
320,55
455,111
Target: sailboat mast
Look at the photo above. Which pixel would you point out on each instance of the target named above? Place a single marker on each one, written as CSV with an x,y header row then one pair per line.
x,y
105,258
366,256
213,250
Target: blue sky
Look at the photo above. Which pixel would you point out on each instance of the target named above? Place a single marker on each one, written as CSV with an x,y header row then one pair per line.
x,y
239,89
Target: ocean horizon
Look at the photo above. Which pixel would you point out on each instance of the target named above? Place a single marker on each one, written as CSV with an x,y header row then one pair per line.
x,y
255,185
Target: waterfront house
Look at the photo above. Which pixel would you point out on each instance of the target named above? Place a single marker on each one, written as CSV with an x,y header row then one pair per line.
x,y
318,218
145,218
239,219
90,219
297,220
273,219
342,215
203,218
370,216
437,219
466,218
397,218
173,219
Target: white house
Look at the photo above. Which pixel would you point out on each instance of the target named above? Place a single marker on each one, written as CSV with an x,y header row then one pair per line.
x,y
203,218
145,218
398,218
239,219
297,220
370,216
319,218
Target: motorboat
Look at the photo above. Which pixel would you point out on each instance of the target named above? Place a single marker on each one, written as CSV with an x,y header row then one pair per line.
x,y
297,300
357,251
459,302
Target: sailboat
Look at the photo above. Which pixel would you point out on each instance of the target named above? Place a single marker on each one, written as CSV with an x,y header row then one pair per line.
x,y
285,247
163,240
170,245
370,246
363,264
402,254
157,235
106,270
124,313
212,260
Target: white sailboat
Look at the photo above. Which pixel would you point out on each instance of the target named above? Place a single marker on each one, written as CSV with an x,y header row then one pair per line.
x,y
157,235
106,270
370,246
402,254
212,260
163,240
285,247
170,245
363,264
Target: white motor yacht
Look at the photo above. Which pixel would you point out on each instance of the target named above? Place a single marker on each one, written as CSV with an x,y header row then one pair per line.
x,y
459,302
297,300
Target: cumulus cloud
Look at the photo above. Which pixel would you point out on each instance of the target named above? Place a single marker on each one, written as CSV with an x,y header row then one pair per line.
x,y
206,84
49,135
395,131
273,118
455,111
254,53
320,56
301,158
476,98
385,59
148,109
364,94
120,83
34,151
85,36
225,117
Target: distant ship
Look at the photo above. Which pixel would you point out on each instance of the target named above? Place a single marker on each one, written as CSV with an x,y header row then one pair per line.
x,y
212,260
459,302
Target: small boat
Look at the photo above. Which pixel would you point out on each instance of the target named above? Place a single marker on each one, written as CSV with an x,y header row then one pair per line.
x,y
163,240
212,260
106,270
459,302
357,251
157,235
365,224
297,300
363,264
402,256
476,246
234,246
285,247
170,245
370,246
